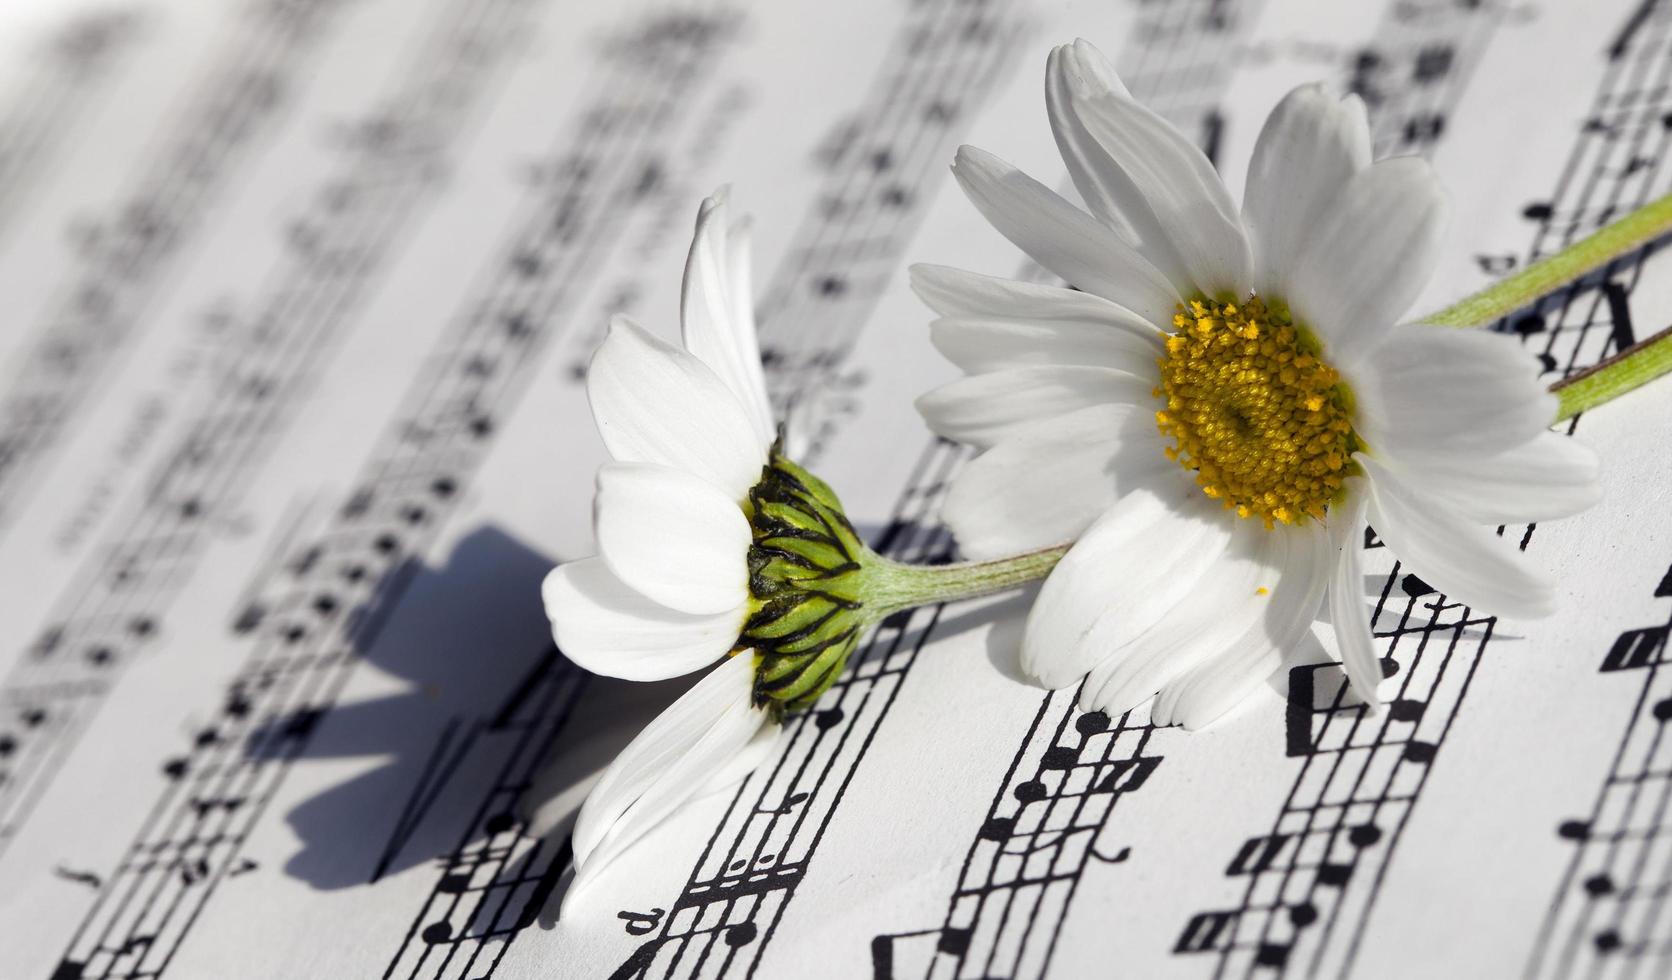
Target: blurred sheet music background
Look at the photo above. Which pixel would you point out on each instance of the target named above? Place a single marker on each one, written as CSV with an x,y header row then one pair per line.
x,y
299,298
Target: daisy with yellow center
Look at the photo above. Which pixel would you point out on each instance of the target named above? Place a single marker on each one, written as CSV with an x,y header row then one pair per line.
x,y
1225,397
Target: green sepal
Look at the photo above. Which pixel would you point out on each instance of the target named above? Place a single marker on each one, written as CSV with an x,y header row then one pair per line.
x,y
805,582
811,675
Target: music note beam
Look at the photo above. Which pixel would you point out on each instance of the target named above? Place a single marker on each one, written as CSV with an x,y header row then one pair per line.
x,y
127,257
1041,832
1359,778
120,599
336,594
1314,878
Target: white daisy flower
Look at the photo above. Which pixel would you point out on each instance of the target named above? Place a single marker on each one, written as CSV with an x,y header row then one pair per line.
x,y
1223,398
692,437
713,548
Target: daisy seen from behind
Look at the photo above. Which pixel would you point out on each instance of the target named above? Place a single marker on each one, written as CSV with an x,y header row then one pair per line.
x,y
1225,397
678,516
716,551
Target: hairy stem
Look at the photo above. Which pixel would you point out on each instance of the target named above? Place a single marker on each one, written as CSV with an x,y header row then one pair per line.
x,y
1552,272
891,586
1631,368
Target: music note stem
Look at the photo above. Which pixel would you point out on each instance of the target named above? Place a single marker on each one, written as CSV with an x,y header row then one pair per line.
x,y
1631,368
1552,272
891,586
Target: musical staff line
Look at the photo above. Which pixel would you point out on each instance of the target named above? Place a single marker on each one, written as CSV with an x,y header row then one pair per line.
x,y
121,597
1608,916
883,164
230,112
65,78
509,874
1006,915
304,650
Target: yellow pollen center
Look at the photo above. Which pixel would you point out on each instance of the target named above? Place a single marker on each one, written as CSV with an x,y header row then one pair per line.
x,y
1265,424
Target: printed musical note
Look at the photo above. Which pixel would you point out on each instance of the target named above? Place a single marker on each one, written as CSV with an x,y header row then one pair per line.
x,y
87,878
1610,868
640,923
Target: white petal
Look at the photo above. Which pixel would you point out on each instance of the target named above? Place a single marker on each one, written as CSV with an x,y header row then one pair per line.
x,y
717,311
1139,560
989,323
672,537
609,629
1088,68
983,409
741,262
1231,597
1437,390
954,292
1548,477
1159,181
800,431
1368,256
674,760
655,403
1311,145
1047,481
763,746
1105,188
979,345
1467,562
1062,238
1348,615
656,749
1210,690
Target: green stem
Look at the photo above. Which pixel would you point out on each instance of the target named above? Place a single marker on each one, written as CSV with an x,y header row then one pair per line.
x,y
1551,273
891,586
1631,368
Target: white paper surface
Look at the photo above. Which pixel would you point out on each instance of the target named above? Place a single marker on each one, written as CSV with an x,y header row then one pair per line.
x,y
299,297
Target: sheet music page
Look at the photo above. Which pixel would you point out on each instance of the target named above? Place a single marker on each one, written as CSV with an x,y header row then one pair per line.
x,y
300,298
